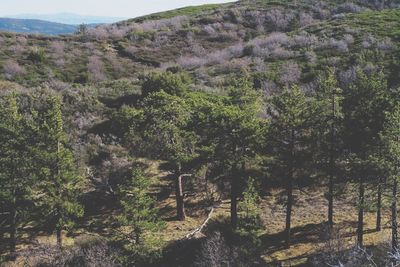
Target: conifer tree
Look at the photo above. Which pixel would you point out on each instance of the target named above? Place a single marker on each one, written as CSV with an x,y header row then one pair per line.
x,y
364,106
60,184
234,131
329,116
15,177
290,115
391,143
139,212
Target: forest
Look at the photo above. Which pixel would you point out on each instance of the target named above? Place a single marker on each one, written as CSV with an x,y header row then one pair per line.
x,y
254,133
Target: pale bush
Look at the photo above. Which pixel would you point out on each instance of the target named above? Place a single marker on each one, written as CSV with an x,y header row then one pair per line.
x,y
216,252
305,19
280,19
12,69
311,57
290,73
96,69
349,7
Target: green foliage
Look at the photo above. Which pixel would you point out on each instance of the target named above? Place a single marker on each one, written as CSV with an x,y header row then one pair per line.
x,y
60,184
16,179
140,218
249,208
185,11
171,83
390,137
364,107
37,55
291,116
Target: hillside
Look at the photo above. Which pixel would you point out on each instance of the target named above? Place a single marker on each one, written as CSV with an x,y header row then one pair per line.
x,y
253,133
34,26
213,41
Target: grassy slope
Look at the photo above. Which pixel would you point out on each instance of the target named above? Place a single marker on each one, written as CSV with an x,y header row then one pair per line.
x,y
379,23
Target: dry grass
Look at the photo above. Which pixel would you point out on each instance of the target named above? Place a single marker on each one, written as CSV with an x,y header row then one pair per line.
x,y
308,220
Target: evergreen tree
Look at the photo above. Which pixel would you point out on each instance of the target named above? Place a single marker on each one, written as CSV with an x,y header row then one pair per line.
x,y
234,131
364,106
328,126
139,212
249,210
15,176
60,184
288,139
161,129
391,143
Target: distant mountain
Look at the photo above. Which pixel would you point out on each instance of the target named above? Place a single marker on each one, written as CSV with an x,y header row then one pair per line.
x,y
35,26
69,18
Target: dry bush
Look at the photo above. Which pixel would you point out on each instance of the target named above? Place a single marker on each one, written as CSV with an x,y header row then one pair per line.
x,y
92,253
96,69
280,19
216,252
290,73
12,69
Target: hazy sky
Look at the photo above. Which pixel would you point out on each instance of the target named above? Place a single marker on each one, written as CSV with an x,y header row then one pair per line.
x,y
113,8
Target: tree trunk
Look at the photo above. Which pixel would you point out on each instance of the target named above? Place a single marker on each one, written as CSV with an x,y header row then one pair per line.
x,y
180,205
394,217
360,226
290,191
379,206
331,166
289,211
59,236
234,215
330,202
13,231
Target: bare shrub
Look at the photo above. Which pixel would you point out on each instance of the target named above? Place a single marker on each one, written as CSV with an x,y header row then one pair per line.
x,y
305,19
22,40
96,69
131,50
281,53
259,65
60,62
280,19
304,40
311,57
17,49
95,253
290,73
349,7
348,38
58,48
216,252
385,45
99,33
346,77
114,61
12,69
174,23
335,253
188,62
369,41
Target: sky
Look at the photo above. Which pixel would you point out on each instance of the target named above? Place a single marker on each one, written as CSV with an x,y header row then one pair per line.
x,y
109,8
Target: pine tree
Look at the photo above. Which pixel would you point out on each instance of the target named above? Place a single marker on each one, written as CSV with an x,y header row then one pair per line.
x,y
162,125
234,131
390,137
364,107
15,177
139,212
328,118
290,115
60,185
